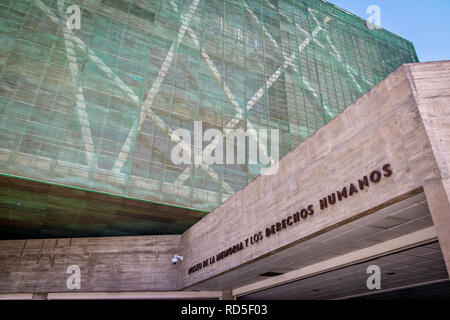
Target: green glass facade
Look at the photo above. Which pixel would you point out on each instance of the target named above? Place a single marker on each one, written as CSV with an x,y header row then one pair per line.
x,y
95,107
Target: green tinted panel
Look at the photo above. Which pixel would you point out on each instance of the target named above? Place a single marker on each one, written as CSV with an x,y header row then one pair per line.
x,y
94,107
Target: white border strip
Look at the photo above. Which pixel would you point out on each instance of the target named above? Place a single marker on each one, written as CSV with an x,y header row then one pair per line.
x,y
16,296
166,295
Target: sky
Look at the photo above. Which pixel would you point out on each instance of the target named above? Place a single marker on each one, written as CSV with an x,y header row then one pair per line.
x,y
426,23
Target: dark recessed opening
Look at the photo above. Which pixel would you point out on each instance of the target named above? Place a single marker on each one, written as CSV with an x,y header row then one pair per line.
x,y
270,274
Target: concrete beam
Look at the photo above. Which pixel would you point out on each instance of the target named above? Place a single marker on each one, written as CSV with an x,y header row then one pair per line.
x,y
16,296
430,83
161,295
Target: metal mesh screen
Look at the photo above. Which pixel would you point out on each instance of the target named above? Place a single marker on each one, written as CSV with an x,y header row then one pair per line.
x,y
94,107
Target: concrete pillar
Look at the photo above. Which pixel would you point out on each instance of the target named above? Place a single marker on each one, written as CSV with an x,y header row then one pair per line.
x,y
430,83
227,295
437,193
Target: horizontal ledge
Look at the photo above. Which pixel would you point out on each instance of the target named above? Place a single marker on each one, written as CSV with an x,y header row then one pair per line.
x,y
16,296
135,295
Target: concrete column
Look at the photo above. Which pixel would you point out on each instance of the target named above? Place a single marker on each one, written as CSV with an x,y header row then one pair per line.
x,y
430,83
437,193
227,295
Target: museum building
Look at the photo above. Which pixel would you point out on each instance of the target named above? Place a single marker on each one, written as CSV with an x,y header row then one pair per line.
x,y
91,205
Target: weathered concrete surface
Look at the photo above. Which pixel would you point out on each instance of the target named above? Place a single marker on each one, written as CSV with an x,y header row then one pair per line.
x,y
384,126
106,264
404,121
430,83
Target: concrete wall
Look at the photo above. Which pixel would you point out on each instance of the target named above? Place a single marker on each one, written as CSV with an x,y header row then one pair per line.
x,y
404,122
431,87
384,126
106,264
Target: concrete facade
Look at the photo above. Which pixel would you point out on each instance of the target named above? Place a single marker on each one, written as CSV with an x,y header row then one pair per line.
x,y
391,144
106,264
385,126
430,84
